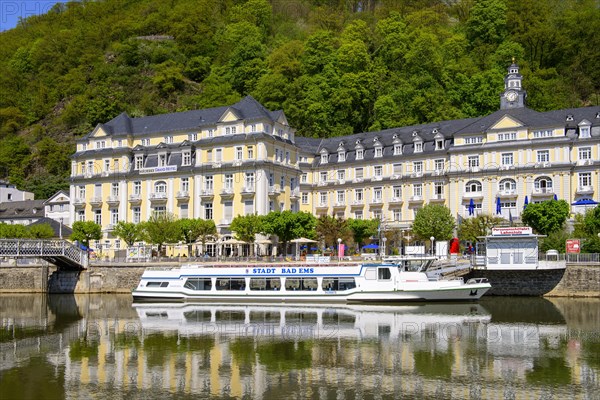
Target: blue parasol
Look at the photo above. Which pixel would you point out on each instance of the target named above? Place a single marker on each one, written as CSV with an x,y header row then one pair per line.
x,y
526,202
371,246
555,196
498,206
471,207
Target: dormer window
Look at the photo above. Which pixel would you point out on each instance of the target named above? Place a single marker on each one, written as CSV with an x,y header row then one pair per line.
x,y
138,162
145,142
162,160
397,149
360,154
439,144
324,158
570,117
192,137
341,156
584,132
378,152
169,139
186,158
418,147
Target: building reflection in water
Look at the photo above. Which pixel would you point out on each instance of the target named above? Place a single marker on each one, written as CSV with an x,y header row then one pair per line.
x,y
103,346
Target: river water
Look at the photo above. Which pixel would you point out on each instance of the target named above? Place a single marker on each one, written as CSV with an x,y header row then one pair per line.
x,y
103,346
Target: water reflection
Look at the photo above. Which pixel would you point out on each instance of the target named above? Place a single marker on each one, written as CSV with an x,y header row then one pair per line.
x,y
101,346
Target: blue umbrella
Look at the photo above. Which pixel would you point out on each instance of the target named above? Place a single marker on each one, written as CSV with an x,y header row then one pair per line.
x,y
498,206
526,202
584,202
555,196
371,246
471,207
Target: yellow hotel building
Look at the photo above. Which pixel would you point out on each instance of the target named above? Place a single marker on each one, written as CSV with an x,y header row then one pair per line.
x,y
242,159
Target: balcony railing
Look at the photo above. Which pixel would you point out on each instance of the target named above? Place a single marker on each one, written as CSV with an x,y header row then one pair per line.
x,y
438,197
158,196
585,190
80,201
207,193
96,201
226,192
183,194
358,202
248,190
135,198
274,190
396,199
416,198
113,200
507,193
295,193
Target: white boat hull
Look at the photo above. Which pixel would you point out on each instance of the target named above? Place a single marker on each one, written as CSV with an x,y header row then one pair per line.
x,y
395,286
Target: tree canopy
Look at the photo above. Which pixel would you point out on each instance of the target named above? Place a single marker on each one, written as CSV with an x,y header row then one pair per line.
x,y
546,217
434,220
335,68
480,225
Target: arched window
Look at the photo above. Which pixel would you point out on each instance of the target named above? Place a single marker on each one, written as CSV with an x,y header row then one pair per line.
x,y
507,185
160,187
473,186
543,184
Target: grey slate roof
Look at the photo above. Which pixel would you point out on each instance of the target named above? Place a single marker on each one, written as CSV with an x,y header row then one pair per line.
x,y
247,108
65,231
21,209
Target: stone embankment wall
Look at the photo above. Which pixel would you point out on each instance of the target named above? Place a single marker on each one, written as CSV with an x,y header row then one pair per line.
x,y
578,281
575,281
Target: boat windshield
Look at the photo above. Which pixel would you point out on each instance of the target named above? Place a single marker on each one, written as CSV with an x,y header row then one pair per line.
x,y
415,265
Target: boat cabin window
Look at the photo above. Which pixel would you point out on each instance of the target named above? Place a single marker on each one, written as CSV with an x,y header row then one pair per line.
x,y
335,318
157,284
371,273
331,284
198,284
384,274
301,284
231,284
230,315
265,283
301,317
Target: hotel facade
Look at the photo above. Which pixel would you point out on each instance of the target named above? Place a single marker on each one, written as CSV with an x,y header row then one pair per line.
x,y
243,159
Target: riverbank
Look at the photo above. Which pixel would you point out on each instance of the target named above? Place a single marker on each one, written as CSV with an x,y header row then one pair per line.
x,y
577,280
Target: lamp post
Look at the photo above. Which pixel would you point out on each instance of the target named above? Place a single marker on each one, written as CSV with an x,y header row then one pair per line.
x,y
383,240
338,249
432,246
402,242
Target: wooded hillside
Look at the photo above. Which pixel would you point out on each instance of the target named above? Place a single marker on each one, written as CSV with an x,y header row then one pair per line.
x,y
334,67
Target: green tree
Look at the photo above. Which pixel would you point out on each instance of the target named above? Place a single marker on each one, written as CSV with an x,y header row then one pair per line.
x,y
246,227
591,221
332,228
287,225
434,220
362,229
12,231
207,231
40,231
161,229
546,217
86,231
191,230
480,225
128,232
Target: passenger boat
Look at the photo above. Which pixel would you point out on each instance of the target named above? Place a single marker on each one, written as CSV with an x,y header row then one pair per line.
x,y
293,283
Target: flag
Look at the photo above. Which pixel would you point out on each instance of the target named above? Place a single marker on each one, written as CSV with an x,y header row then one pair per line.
x,y
510,218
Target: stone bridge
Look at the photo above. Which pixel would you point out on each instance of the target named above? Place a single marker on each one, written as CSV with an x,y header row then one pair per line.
x,y
63,254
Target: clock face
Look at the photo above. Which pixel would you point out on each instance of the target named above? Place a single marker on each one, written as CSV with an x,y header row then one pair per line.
x,y
511,96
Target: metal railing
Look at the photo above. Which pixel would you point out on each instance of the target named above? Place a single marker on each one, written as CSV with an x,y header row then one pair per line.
x,y
60,252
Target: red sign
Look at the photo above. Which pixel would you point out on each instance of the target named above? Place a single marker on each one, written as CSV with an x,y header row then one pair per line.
x,y
573,246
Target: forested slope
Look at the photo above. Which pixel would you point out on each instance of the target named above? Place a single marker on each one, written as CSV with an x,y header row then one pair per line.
x,y
334,67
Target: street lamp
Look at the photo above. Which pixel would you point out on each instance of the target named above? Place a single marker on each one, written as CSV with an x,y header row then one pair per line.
x,y
383,240
402,242
432,240
338,249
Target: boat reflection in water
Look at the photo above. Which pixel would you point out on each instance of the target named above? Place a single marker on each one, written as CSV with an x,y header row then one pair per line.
x,y
105,347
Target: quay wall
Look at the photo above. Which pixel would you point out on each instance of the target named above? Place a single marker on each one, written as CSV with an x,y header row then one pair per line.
x,y
575,281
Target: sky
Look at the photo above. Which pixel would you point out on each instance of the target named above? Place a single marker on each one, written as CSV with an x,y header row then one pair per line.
x,y
12,10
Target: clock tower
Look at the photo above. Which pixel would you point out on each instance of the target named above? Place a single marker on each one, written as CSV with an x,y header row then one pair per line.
x,y
513,95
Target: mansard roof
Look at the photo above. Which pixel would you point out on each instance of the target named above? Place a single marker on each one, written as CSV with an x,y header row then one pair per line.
x,y
247,108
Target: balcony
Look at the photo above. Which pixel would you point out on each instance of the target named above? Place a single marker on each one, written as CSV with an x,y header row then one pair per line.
x,y
339,204
377,201
396,176
585,162
207,193
416,175
79,202
225,221
507,193
473,195
135,198
96,201
396,200
356,203
416,199
158,197
322,183
377,178
543,192
323,205
227,192
357,180
113,200
183,195
295,194
438,197
274,190
216,165
585,190
248,191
